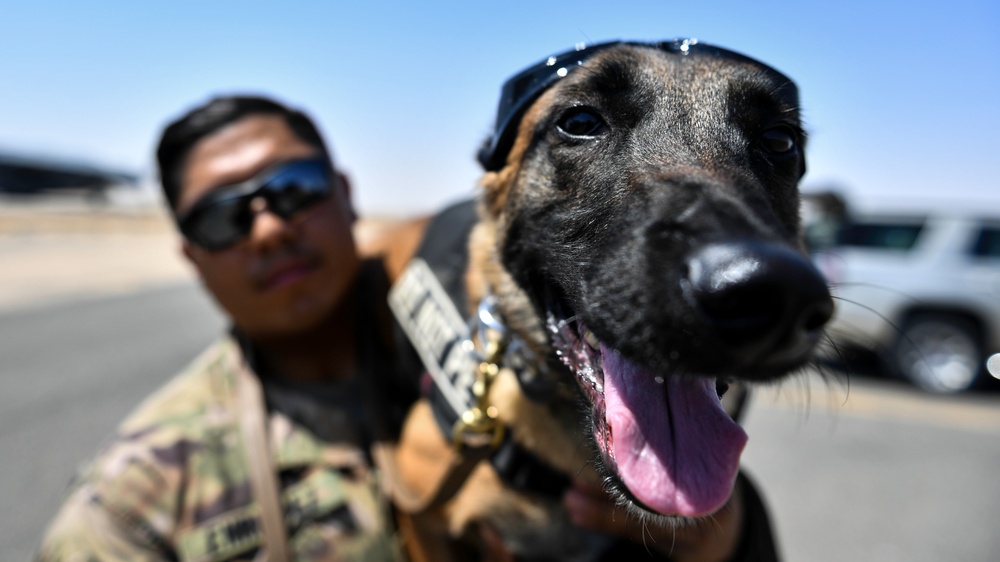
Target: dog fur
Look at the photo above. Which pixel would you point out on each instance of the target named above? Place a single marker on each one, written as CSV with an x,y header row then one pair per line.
x,y
625,177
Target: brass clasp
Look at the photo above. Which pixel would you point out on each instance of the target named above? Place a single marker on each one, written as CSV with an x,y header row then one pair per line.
x,y
480,424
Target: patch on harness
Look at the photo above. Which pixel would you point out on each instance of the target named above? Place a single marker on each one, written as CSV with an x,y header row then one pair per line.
x,y
437,331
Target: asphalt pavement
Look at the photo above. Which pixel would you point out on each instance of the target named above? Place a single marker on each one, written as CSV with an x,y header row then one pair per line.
x,y
878,472
69,372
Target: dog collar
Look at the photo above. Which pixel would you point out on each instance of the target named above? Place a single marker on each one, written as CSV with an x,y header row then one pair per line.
x,y
463,366
522,89
461,357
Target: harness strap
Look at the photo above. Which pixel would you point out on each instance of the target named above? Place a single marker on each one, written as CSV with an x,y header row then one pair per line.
x,y
263,477
525,472
404,498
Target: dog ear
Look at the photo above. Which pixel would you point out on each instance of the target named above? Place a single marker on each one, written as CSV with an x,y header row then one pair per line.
x,y
495,188
497,185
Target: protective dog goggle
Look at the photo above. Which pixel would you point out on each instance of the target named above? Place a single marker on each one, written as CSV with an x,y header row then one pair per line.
x,y
224,216
520,91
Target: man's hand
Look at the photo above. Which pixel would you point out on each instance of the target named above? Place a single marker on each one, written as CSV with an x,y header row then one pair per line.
x,y
712,539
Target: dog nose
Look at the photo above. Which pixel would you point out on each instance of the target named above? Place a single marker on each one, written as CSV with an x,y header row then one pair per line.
x,y
764,302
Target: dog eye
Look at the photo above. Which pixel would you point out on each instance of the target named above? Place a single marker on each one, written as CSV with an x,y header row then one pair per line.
x,y
580,122
779,140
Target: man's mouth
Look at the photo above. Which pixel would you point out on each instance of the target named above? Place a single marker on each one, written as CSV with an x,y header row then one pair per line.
x,y
665,437
285,272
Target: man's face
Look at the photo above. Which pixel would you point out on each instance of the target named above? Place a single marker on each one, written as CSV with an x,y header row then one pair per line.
x,y
286,276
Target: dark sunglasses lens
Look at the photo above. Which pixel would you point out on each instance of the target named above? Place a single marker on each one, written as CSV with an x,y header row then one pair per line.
x,y
220,224
297,187
225,217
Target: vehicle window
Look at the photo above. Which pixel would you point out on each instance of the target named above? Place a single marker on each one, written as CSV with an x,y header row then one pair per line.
x,y
889,236
987,243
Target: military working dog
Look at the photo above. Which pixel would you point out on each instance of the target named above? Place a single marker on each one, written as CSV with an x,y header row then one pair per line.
x,y
638,240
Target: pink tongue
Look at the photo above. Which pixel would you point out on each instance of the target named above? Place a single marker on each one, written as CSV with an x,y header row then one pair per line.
x,y
676,449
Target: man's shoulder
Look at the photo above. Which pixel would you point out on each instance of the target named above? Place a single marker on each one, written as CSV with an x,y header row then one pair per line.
x,y
203,393
186,431
136,492
193,414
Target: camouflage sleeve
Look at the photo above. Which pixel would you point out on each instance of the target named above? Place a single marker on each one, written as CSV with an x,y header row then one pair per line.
x,y
122,507
86,530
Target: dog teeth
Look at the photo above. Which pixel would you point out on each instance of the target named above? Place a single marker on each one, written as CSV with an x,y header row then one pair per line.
x,y
591,339
593,382
721,387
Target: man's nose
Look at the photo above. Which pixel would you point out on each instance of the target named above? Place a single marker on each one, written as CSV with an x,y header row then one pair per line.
x,y
268,229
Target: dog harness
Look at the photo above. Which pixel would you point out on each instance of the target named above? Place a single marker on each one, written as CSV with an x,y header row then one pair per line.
x,y
462,356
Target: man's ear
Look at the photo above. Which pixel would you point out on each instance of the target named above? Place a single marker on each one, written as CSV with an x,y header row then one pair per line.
x,y
344,185
186,249
190,253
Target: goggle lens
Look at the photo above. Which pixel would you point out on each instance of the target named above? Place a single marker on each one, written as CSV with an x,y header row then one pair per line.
x,y
224,217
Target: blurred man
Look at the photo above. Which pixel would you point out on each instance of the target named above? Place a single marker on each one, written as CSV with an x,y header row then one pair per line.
x,y
260,446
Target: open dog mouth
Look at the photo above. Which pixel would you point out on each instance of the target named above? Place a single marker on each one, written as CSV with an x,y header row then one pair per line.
x,y
665,437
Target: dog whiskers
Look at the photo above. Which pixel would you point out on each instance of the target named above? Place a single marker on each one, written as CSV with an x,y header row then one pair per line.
x,y
872,310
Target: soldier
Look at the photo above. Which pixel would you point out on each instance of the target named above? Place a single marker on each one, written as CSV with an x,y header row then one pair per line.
x,y
259,448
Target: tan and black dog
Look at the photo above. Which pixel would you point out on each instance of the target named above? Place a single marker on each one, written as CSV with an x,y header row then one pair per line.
x,y
638,243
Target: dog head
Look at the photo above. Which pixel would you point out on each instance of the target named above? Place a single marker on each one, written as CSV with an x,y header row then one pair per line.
x,y
643,198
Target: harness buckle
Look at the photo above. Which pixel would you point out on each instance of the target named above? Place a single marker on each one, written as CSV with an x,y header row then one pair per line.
x,y
477,428
480,425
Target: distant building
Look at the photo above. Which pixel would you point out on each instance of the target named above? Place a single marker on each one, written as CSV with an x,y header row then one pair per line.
x,y
28,174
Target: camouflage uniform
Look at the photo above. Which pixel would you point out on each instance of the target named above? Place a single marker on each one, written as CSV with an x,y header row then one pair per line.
x,y
173,484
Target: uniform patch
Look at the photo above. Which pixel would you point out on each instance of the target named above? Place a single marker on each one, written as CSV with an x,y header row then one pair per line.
x,y
437,332
222,537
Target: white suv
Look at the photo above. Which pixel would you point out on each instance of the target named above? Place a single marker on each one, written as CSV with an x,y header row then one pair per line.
x,y
921,290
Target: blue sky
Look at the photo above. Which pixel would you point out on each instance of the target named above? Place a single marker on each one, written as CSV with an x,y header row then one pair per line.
x,y
902,99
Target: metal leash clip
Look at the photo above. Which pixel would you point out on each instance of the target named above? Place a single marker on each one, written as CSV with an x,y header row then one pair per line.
x,y
479,425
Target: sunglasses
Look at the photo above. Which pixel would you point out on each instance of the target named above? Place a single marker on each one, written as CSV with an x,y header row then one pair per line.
x,y
521,90
224,216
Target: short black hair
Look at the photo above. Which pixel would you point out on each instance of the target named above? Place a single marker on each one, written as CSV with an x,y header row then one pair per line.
x,y
181,135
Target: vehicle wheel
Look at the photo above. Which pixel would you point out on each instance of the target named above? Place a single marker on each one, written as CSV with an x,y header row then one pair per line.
x,y
939,353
